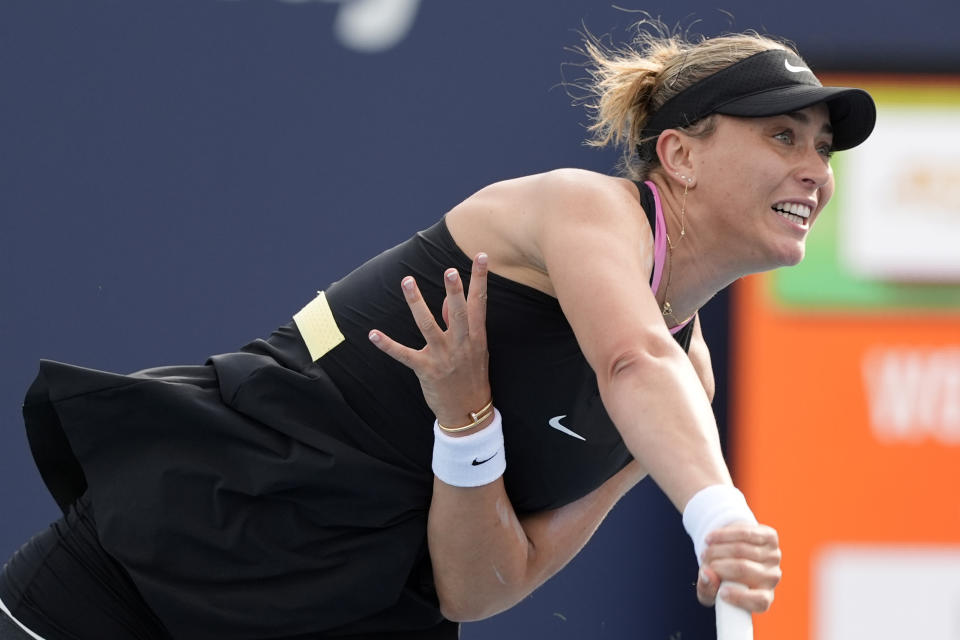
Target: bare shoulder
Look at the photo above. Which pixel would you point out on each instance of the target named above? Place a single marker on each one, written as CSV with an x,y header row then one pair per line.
x,y
578,203
511,219
566,185
580,189
571,199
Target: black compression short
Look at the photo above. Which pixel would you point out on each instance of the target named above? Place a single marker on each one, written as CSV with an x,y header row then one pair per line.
x,y
62,584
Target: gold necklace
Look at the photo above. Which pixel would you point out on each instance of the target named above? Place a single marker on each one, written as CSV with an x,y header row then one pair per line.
x,y
667,308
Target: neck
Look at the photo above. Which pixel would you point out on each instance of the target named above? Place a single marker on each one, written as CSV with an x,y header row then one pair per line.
x,y
695,266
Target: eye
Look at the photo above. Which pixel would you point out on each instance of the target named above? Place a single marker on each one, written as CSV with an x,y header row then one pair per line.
x,y
785,136
826,150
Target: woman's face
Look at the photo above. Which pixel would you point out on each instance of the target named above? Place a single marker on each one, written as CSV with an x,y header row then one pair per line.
x,y
765,180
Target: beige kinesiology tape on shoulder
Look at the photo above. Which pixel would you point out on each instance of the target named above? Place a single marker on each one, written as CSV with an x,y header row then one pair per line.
x,y
318,327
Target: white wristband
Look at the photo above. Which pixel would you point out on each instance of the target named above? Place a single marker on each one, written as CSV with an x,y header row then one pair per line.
x,y
711,508
470,461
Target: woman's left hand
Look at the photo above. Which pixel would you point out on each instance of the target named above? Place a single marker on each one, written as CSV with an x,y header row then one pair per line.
x,y
453,366
748,554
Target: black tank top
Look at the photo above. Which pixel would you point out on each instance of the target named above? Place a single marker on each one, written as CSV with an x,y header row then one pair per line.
x,y
555,425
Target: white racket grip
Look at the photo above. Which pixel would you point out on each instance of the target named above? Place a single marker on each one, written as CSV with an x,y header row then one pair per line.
x,y
733,623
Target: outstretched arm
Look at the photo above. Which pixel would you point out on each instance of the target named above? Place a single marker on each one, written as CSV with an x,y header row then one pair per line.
x,y
595,244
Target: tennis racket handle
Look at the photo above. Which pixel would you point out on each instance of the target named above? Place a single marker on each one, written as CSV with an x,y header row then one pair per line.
x,y
733,623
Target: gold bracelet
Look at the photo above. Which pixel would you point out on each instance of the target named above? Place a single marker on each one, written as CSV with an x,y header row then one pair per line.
x,y
478,417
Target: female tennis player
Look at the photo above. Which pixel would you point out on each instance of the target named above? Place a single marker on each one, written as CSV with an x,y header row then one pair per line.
x,y
358,474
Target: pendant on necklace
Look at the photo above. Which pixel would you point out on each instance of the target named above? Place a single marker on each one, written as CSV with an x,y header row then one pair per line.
x,y
667,309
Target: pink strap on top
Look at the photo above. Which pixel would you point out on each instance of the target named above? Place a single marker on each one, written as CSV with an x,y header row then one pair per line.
x,y
660,250
659,240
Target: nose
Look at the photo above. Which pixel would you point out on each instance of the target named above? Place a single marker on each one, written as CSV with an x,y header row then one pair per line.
x,y
814,170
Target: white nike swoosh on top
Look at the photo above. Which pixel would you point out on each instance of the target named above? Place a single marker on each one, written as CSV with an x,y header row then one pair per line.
x,y
555,423
793,68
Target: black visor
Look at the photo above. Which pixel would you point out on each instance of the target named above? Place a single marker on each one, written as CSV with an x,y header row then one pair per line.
x,y
765,84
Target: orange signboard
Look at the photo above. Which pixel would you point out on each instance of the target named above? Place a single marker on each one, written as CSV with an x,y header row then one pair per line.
x,y
847,431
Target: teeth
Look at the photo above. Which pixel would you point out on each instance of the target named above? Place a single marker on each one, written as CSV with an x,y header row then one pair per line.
x,y
792,217
801,210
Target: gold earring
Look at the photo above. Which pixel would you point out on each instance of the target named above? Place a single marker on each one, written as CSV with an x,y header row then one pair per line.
x,y
683,211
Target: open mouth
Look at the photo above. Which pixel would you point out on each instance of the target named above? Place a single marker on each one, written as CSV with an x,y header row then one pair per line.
x,y
795,213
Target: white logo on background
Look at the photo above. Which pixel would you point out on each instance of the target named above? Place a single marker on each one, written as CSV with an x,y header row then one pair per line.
x,y
914,393
371,26
793,68
555,423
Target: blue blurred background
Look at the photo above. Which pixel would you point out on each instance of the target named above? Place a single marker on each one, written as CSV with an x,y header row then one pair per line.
x,y
179,177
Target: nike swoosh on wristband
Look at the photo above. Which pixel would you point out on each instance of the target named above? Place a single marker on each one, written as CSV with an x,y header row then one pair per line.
x,y
793,68
555,423
476,462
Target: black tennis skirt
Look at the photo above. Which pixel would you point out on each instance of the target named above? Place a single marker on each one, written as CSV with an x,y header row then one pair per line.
x,y
243,497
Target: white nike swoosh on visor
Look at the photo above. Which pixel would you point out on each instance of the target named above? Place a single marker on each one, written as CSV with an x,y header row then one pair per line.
x,y
794,69
555,423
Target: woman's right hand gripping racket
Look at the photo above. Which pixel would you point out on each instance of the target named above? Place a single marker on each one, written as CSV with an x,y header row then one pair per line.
x,y
744,560
739,558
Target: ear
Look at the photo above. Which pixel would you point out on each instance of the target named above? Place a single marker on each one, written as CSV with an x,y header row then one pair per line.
x,y
675,148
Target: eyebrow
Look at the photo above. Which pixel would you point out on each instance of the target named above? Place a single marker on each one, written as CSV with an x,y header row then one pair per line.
x,y
803,118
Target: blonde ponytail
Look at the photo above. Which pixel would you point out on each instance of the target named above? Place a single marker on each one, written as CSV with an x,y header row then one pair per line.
x,y
627,85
